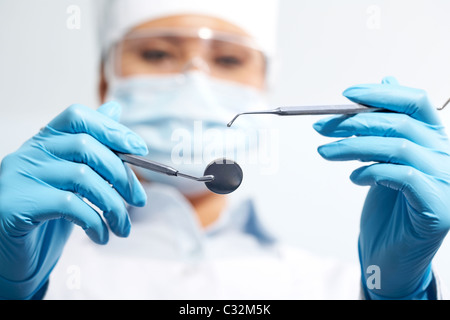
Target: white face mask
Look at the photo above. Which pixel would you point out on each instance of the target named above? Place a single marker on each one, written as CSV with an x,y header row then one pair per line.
x,y
183,119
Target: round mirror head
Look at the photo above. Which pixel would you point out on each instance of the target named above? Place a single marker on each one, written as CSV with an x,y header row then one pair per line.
x,y
227,174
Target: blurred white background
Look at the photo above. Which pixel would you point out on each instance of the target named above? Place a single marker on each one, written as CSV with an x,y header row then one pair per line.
x,y
324,46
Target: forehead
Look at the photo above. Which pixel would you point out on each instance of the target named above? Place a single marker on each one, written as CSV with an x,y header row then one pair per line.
x,y
192,21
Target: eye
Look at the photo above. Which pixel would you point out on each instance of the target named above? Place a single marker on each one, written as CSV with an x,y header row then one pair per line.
x,y
155,55
228,61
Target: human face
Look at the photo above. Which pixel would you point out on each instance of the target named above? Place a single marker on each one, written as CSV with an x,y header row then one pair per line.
x,y
177,44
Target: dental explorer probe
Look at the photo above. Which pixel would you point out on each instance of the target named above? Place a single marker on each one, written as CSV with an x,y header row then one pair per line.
x,y
313,110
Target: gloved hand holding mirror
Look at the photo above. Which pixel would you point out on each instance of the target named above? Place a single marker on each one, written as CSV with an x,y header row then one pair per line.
x,y
43,186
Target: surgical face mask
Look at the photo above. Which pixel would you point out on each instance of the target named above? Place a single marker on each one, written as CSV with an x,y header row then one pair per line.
x,y
183,119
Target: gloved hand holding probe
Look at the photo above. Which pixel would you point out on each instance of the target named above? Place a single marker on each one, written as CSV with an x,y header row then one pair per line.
x,y
406,214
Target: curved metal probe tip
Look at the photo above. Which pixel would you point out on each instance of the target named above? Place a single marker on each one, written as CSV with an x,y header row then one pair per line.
x,y
208,178
231,122
445,104
253,112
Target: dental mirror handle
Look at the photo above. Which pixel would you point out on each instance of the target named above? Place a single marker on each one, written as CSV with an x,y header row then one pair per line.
x,y
147,164
159,167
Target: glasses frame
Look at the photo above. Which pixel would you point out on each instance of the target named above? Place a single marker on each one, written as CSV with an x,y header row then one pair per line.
x,y
206,34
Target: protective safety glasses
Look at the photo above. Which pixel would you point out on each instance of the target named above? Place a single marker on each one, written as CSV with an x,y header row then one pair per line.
x,y
174,50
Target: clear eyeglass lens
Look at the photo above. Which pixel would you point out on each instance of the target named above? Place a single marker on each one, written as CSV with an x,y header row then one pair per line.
x,y
173,54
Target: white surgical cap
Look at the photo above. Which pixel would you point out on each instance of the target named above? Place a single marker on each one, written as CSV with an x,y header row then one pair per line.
x,y
258,18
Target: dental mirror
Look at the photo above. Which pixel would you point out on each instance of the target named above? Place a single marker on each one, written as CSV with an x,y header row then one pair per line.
x,y
221,176
227,174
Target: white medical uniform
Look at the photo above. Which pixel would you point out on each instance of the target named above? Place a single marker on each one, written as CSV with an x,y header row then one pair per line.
x,y
169,256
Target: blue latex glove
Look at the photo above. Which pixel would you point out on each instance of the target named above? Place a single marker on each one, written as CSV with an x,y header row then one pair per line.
x,y
42,186
406,214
